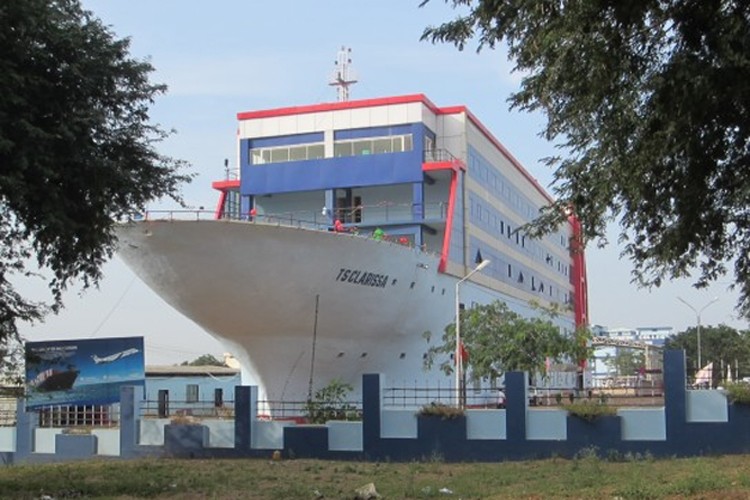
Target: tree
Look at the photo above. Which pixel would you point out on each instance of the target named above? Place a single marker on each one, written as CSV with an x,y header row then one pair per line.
x,y
498,340
626,361
721,344
204,360
649,103
76,149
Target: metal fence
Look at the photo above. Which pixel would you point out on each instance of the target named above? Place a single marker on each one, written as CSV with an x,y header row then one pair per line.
x,y
301,411
176,408
410,397
79,416
414,397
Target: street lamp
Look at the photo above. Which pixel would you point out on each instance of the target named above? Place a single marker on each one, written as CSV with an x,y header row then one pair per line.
x,y
698,317
459,361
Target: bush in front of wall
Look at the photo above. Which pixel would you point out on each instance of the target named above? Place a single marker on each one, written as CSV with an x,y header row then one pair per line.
x,y
441,410
330,403
738,392
590,410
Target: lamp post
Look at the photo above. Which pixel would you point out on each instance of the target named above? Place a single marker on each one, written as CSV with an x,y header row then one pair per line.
x,y
698,318
459,360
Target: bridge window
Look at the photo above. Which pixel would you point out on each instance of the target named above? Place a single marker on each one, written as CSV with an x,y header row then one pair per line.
x,y
373,145
298,152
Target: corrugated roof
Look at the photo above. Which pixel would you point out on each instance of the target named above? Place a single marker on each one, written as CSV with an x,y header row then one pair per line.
x,y
190,371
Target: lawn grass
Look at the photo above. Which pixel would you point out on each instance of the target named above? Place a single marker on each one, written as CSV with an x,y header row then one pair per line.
x,y
584,477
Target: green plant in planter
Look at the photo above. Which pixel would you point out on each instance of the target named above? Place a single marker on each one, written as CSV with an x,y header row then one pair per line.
x,y
590,410
738,392
441,410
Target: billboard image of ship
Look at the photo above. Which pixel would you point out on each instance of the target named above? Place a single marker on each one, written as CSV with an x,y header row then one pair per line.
x,y
82,371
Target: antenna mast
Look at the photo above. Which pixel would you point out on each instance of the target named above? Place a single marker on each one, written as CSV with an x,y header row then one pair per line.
x,y
343,76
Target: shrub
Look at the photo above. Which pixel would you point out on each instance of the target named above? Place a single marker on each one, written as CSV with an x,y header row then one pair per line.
x,y
589,410
441,410
330,403
738,392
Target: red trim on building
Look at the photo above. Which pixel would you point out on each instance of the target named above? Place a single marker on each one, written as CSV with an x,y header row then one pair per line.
x,y
337,106
578,274
220,205
443,165
225,185
449,222
488,135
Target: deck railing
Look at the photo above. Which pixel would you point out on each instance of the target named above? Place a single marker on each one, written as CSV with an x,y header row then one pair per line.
x,y
439,156
195,409
362,215
385,215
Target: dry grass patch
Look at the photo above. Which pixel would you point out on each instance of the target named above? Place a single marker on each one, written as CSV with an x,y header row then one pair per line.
x,y
587,476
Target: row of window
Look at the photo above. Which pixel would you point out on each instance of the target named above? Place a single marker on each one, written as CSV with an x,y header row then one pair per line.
x,y
498,185
373,145
260,156
316,151
522,277
487,219
538,285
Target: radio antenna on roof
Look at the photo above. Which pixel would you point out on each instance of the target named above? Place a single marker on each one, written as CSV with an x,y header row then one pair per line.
x,y
343,76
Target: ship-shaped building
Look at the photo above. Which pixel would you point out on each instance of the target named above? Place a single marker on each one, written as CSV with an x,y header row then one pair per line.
x,y
341,239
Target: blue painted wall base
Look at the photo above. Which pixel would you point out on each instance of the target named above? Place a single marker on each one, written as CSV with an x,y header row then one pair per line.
x,y
436,438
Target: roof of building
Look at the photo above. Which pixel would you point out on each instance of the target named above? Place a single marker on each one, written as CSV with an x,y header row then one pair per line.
x,y
190,371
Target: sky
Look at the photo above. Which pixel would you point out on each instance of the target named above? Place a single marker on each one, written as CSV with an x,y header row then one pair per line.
x,y
228,56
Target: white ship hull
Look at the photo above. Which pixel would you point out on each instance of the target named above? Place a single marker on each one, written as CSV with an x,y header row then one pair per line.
x,y
257,286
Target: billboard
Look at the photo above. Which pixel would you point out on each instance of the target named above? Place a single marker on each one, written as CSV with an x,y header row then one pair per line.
x,y
83,371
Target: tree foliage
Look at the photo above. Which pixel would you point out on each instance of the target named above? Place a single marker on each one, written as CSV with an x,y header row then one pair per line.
x,y
77,151
499,340
626,361
650,105
204,360
721,344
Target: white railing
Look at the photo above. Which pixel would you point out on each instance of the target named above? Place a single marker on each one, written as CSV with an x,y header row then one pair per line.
x,y
365,215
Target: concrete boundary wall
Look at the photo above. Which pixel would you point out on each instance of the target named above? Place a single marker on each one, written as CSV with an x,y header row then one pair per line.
x,y
691,423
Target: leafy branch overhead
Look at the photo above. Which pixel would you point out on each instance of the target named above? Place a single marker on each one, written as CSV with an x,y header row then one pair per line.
x,y
76,147
649,103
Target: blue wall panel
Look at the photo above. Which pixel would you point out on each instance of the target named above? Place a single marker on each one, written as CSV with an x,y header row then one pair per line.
x,y
329,173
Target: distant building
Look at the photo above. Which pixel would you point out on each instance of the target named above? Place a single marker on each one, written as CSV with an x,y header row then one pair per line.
x,y
652,335
611,342
190,390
